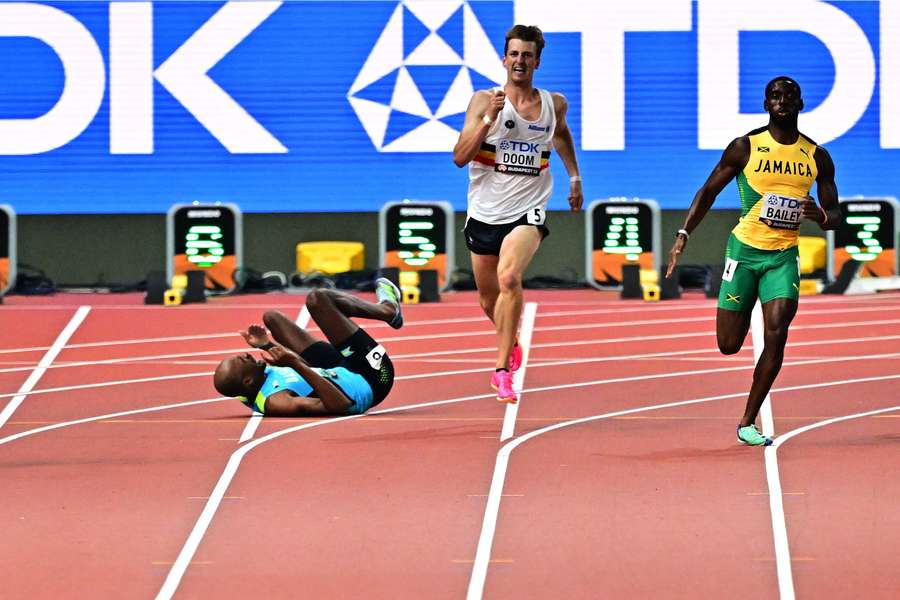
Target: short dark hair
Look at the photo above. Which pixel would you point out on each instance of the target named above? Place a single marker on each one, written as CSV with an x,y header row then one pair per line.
x,y
526,33
786,80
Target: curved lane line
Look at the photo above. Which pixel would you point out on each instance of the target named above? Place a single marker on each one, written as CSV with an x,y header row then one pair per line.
x,y
783,571
173,579
492,508
30,432
549,364
779,521
480,319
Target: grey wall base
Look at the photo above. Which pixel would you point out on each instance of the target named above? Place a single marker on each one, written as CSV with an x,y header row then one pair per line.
x,y
90,249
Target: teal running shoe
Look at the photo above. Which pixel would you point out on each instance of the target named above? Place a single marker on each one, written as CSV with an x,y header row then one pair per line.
x,y
386,291
750,436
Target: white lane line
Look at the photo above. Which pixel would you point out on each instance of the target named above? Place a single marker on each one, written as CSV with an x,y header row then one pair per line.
x,y
173,579
488,332
512,410
30,432
133,359
779,521
548,364
44,363
784,437
758,334
779,526
492,508
87,386
773,477
619,340
177,338
458,320
255,420
250,428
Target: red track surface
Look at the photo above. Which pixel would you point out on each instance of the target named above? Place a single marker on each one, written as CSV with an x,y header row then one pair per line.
x,y
654,503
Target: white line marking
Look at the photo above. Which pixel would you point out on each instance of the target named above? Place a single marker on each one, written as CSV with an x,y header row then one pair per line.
x,y
779,526
492,508
779,521
177,338
250,428
758,334
173,579
139,359
512,410
535,365
255,420
45,362
290,303
86,386
773,478
480,319
795,432
30,432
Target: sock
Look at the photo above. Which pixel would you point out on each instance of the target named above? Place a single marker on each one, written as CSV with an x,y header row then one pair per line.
x,y
501,369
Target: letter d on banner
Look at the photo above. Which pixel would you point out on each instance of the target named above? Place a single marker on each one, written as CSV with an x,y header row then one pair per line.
x,y
85,78
720,23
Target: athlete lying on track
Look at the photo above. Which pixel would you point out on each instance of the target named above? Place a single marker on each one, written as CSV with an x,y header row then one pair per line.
x,y
306,377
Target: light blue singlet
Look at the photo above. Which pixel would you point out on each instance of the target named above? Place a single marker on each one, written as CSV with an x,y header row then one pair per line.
x,y
352,384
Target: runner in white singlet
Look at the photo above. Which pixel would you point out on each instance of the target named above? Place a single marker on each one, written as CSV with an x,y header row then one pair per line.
x,y
506,141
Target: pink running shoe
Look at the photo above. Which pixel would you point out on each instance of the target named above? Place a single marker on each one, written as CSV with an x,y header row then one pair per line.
x,y
502,382
515,358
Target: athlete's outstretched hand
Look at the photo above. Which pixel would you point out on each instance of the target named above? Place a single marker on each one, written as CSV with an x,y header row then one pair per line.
x,y
255,336
677,249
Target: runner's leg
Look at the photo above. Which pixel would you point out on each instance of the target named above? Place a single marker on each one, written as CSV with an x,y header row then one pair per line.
x,y
516,252
777,317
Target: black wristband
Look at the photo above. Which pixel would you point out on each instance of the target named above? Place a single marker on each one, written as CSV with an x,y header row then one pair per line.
x,y
267,346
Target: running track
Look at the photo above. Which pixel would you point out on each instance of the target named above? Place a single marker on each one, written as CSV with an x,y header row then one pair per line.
x,y
619,476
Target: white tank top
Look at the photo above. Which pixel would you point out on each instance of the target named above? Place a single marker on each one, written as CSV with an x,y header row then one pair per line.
x,y
510,175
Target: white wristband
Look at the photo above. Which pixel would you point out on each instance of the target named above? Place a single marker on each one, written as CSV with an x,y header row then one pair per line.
x,y
575,178
487,120
683,232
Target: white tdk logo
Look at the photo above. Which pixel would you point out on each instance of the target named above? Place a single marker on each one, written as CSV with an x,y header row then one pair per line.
x,y
131,77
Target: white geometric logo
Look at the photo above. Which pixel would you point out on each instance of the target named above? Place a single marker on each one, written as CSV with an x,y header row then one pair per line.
x,y
412,92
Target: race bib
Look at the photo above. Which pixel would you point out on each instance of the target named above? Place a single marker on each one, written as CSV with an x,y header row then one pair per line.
x,y
375,356
730,267
536,216
780,212
518,158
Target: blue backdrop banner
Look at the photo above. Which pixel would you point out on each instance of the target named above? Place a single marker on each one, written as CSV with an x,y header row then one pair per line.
x,y
110,107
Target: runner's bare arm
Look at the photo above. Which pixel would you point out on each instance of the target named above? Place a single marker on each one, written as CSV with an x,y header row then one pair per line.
x,y
565,147
733,159
474,131
285,403
829,216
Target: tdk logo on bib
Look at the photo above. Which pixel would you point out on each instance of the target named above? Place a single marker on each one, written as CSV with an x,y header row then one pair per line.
x,y
412,92
523,146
